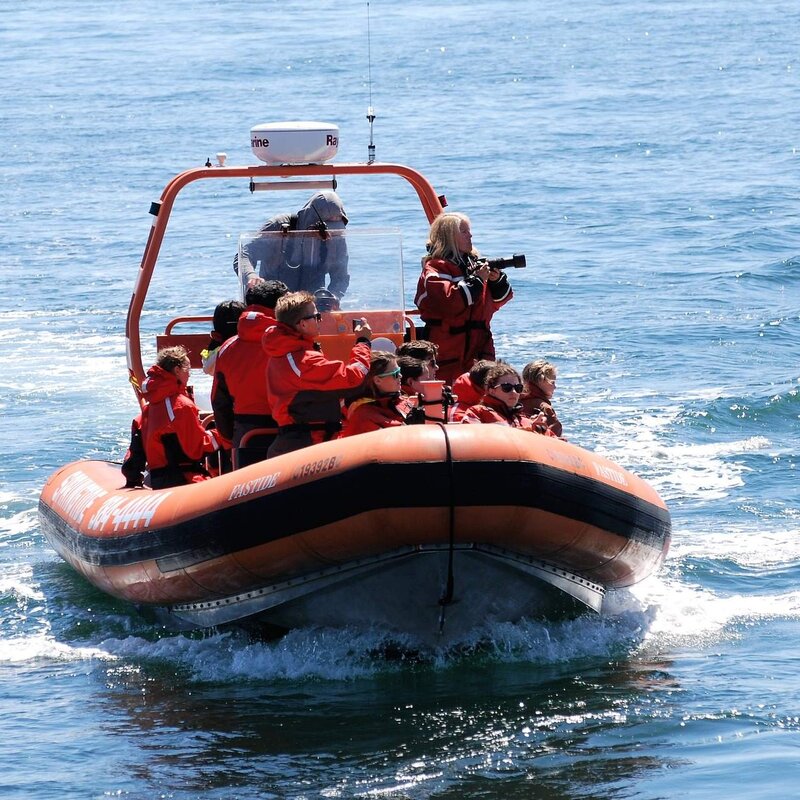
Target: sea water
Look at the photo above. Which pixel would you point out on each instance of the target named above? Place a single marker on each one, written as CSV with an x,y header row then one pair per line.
x,y
644,156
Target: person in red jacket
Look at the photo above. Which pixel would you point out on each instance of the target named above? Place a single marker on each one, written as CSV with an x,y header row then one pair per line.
x,y
382,404
303,386
239,391
539,378
226,318
500,403
172,438
457,296
468,388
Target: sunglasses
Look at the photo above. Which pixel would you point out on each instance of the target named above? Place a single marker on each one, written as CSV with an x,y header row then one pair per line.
x,y
316,316
395,373
508,387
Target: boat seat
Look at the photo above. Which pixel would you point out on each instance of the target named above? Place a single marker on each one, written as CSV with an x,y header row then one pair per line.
x,y
194,343
256,439
336,335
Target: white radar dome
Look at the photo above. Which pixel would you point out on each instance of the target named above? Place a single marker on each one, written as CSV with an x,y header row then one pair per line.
x,y
294,142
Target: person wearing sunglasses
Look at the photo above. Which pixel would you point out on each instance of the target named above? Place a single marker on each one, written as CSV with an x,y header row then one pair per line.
x,y
304,388
457,296
381,404
500,403
539,378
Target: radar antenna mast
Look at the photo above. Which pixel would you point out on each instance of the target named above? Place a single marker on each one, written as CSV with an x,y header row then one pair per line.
x,y
370,109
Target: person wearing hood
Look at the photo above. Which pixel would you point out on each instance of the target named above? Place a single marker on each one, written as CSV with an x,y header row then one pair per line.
x,y
457,296
172,440
301,249
304,387
239,392
381,405
468,388
500,403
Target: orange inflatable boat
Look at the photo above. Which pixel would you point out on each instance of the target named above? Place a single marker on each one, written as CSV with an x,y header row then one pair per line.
x,y
400,527
430,530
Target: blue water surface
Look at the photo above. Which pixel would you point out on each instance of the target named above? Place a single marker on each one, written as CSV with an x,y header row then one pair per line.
x,y
644,156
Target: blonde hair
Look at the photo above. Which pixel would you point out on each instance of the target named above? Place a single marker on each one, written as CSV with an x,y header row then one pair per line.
x,y
290,308
537,369
442,236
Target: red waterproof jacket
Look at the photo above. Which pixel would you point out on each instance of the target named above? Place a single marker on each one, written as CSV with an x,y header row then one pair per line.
x,y
468,394
493,411
457,309
171,431
534,402
373,413
240,377
303,386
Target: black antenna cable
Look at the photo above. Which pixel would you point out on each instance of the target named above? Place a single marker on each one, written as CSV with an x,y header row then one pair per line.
x,y
370,109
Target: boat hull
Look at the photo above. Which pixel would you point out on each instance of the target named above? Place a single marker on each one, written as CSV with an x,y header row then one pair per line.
x,y
407,592
402,527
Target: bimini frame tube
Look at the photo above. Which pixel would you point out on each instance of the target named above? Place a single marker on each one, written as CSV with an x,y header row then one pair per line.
x,y
427,196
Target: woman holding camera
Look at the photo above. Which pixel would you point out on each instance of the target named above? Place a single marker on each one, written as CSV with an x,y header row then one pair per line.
x,y
457,296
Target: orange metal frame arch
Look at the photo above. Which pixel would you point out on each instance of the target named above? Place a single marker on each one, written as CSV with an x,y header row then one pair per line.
x,y
430,201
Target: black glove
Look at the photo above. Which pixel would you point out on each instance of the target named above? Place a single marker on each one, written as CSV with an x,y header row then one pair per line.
x,y
474,283
499,289
416,416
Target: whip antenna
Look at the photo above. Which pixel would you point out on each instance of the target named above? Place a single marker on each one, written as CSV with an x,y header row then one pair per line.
x,y
370,109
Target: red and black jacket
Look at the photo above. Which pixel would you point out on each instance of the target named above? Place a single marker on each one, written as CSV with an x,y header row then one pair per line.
x,y
468,394
173,438
457,309
304,388
493,411
239,391
534,401
373,413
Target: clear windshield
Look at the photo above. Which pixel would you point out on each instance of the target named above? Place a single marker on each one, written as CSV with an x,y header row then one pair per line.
x,y
353,269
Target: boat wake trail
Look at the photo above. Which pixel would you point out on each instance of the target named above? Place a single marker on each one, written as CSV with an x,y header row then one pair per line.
x,y
656,615
344,654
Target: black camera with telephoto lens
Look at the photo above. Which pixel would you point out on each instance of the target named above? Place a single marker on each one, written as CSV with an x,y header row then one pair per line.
x,y
517,261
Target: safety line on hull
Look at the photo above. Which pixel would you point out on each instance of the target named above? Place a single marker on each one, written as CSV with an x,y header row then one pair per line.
x,y
447,595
